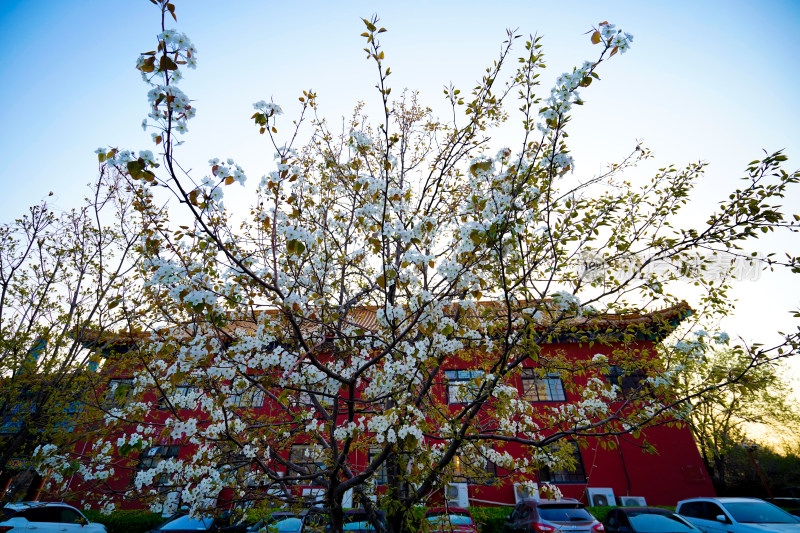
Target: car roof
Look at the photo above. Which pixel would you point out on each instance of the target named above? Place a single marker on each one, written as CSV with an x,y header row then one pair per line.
x,y
361,511
648,510
562,501
19,506
722,499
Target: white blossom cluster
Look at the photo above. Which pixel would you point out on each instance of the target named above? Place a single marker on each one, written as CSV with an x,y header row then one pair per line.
x,y
359,139
170,108
268,108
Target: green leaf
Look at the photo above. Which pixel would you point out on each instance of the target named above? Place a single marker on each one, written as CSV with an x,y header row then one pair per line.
x,y
370,25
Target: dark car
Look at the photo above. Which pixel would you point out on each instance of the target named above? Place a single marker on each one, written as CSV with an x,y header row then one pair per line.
x,y
646,520
788,504
186,523
548,516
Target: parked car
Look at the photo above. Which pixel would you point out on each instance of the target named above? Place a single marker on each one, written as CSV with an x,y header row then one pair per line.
x,y
44,517
279,521
358,520
737,515
314,520
646,520
547,516
450,519
788,504
185,523
308,521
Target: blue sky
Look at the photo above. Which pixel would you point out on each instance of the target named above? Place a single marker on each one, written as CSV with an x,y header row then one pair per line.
x,y
713,81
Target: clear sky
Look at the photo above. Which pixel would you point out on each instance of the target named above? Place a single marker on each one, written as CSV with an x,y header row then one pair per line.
x,y
713,81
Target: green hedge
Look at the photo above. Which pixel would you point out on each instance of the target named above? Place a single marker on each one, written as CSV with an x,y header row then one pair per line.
x,y
126,521
490,519
600,512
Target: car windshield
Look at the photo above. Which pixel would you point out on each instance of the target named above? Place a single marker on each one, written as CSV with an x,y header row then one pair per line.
x,y
454,519
659,523
758,513
287,525
359,520
187,522
564,513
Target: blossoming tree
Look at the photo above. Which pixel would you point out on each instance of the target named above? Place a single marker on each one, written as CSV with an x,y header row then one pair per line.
x,y
61,275
375,258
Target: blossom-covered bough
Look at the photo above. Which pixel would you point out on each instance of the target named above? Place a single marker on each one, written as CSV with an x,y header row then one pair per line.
x,y
376,259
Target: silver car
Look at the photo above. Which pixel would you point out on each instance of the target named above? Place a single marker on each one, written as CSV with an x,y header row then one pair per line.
x,y
46,518
737,515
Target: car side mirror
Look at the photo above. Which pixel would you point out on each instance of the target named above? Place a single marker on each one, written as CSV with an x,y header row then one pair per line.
x,y
722,518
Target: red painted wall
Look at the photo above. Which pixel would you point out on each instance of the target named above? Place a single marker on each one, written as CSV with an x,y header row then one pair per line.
x,y
675,472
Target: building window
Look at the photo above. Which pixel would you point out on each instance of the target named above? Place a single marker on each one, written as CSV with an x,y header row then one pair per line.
x,y
381,474
182,396
305,460
567,474
118,392
252,396
460,388
542,389
70,412
463,472
152,457
629,382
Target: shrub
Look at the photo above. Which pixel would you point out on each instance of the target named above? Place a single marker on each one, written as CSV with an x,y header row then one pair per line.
x,y
126,521
490,519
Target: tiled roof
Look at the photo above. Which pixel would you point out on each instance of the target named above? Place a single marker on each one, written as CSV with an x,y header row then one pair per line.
x,y
549,320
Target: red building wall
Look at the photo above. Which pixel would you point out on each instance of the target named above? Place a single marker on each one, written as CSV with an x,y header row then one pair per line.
x,y
674,472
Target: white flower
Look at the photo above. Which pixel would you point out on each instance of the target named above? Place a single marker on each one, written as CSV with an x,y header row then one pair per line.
x,y
268,109
147,155
721,338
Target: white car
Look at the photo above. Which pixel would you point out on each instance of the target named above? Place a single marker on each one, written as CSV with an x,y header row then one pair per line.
x,y
45,518
737,515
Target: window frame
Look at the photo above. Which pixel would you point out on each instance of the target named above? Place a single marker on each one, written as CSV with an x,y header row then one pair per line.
x,y
184,389
628,381
455,377
113,399
551,384
486,476
252,397
381,475
566,477
305,463
151,457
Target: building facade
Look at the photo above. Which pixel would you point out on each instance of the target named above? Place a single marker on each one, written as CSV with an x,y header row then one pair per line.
x,y
658,465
